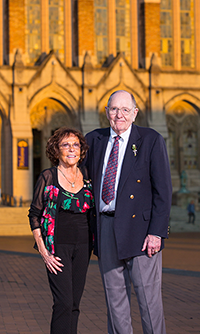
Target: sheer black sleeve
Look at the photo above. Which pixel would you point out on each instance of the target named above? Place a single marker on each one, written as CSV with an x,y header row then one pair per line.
x,y
37,205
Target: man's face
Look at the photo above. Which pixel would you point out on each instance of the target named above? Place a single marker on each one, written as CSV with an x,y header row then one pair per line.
x,y
120,121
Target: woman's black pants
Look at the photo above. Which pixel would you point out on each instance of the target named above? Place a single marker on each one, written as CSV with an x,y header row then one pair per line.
x,y
67,287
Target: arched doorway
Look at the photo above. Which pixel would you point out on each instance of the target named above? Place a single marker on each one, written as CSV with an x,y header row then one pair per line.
x,y
183,122
46,117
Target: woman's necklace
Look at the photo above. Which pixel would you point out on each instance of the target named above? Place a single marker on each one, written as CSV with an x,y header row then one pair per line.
x,y
72,183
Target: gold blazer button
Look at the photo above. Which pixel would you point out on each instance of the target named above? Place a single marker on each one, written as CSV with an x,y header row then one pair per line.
x,y
131,196
138,181
133,216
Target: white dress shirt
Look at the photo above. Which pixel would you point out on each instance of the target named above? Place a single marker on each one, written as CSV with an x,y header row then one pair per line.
x,y
123,141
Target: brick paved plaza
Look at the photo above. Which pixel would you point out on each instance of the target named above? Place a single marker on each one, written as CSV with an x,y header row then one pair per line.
x,y
25,298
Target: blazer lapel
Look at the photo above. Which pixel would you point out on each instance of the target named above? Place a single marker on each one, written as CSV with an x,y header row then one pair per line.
x,y
129,158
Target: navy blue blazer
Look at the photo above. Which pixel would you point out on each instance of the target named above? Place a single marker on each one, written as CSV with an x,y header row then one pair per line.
x,y
144,192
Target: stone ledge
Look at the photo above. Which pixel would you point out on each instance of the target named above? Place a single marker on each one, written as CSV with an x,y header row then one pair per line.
x,y
14,221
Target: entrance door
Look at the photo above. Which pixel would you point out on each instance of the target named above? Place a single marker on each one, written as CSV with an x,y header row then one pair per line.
x,y
37,144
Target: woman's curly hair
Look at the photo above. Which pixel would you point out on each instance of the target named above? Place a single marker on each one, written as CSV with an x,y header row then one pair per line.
x,y
52,147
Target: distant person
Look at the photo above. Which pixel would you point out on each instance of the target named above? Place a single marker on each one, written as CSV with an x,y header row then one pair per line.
x,y
59,219
132,189
191,212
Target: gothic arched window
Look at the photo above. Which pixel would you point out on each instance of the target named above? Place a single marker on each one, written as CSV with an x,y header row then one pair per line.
x,y
123,43
187,33
33,30
182,122
166,33
190,144
56,27
101,30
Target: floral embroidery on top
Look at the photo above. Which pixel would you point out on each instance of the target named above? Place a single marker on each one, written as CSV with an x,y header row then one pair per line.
x,y
79,202
48,216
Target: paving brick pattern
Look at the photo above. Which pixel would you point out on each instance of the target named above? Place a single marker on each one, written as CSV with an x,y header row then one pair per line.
x,y
25,298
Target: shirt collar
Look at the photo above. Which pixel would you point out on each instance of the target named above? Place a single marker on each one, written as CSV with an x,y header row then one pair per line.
x,y
124,136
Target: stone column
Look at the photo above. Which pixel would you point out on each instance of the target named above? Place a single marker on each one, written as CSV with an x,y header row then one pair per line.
x,y
176,34
197,34
21,129
111,28
68,33
157,119
89,115
134,34
44,26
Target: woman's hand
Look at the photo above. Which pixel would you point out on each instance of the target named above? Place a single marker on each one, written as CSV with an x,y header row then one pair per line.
x,y
52,262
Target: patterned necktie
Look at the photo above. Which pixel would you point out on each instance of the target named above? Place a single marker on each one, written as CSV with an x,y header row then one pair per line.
x,y
108,189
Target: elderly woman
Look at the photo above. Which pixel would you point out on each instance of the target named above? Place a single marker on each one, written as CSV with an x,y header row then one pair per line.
x,y
59,219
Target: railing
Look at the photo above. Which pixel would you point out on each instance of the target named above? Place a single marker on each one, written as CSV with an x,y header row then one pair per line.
x,y
10,200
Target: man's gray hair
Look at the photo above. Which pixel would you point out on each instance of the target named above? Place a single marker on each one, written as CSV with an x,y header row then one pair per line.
x,y
118,91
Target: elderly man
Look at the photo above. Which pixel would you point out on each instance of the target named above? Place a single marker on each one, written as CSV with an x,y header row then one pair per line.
x,y
129,168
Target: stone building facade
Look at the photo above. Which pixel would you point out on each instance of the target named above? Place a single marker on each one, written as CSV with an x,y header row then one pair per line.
x,y
61,59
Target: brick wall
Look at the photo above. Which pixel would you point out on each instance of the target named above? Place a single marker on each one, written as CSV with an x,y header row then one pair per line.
x,y
17,25
152,28
86,26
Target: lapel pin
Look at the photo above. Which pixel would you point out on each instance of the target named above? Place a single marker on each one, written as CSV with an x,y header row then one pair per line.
x,y
134,149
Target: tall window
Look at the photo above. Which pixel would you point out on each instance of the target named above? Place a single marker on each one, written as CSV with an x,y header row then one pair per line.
x,y
123,28
101,30
56,27
33,32
187,33
166,33
172,143
182,122
190,149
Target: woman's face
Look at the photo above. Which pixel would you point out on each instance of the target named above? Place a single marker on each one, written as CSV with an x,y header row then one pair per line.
x,y
69,150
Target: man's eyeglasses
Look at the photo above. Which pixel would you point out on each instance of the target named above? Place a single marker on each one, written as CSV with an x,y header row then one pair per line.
x,y
124,110
67,146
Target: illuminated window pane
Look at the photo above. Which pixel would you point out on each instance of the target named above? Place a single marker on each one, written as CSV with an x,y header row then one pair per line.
x,y
123,28
166,33
101,30
185,4
100,3
56,27
187,33
33,32
166,4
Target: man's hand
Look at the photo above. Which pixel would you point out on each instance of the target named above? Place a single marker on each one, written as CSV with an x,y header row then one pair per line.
x,y
151,244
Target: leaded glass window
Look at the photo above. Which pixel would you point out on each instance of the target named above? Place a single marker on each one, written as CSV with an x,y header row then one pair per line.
x,y
166,33
190,149
187,33
56,27
123,28
182,122
33,30
172,145
101,30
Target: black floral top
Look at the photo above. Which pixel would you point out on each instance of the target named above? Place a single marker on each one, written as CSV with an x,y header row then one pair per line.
x,y
46,201
80,201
